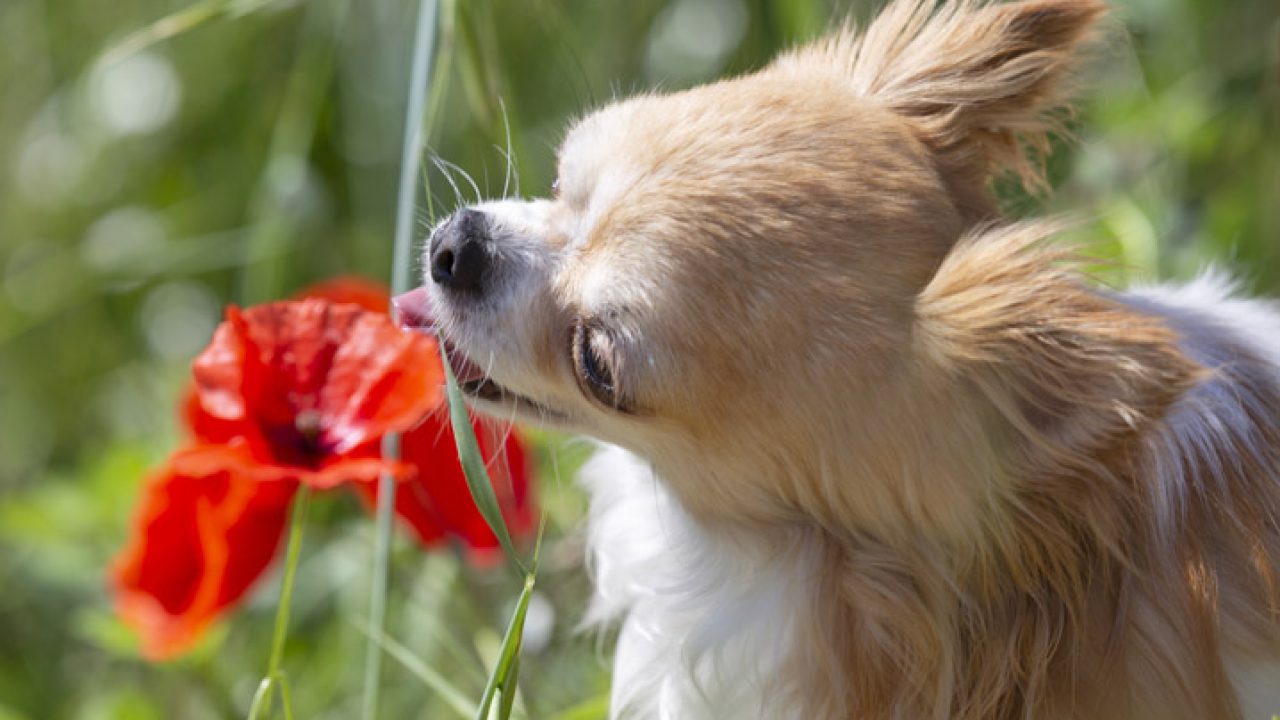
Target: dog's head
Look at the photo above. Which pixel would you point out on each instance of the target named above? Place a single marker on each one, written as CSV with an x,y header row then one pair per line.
x,y
725,267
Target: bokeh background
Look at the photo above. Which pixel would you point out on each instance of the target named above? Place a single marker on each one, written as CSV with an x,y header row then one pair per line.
x,y
160,159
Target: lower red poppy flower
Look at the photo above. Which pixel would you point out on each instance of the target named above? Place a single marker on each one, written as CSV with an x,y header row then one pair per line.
x,y
435,502
198,545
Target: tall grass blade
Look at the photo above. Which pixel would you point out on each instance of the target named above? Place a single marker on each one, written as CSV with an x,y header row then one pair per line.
x,y
275,675
448,692
182,21
262,698
503,677
475,80
473,465
440,76
510,685
411,152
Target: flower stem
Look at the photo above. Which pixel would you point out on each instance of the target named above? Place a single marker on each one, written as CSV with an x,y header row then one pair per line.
x,y
281,631
378,591
275,676
411,148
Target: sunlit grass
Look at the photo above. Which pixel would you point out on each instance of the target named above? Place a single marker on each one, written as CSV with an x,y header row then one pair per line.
x,y
411,152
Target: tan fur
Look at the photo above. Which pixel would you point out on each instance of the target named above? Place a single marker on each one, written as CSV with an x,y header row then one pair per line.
x,y
820,328
983,83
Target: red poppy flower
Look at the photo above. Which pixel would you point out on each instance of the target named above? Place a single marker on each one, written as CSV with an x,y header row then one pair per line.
x,y
199,544
305,389
293,392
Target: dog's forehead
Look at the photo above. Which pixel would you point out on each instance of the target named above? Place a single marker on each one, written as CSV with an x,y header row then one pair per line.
x,y
614,164
652,188
591,176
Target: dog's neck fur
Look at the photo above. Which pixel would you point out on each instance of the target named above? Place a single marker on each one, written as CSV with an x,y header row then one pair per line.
x,y
971,551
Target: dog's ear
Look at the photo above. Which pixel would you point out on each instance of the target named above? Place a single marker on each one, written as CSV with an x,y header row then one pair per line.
x,y
985,84
1069,368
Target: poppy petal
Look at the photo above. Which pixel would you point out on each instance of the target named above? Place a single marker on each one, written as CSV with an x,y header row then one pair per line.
x,y
202,425
356,470
220,369
382,379
197,545
234,456
435,502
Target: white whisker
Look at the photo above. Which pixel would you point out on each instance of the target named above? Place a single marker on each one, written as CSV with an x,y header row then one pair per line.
x,y
448,176
467,176
509,153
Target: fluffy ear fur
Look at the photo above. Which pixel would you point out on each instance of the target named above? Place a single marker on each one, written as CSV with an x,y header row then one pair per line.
x,y
1071,369
982,83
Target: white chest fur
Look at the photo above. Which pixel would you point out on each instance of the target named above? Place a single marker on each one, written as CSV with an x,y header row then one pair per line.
x,y
705,620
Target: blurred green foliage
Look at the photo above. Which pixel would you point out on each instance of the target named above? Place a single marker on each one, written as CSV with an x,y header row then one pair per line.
x,y
256,151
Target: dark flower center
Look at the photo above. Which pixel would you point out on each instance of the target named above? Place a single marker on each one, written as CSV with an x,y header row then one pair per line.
x,y
299,444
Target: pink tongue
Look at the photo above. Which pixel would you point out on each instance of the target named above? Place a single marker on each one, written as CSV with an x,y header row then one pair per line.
x,y
414,312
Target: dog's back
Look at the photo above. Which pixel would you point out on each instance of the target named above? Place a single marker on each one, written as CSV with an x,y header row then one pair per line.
x,y
1225,435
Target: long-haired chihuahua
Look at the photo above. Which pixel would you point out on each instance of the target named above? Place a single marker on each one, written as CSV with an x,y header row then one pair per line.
x,y
870,450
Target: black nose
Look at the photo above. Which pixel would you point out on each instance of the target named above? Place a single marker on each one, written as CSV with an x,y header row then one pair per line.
x,y
460,252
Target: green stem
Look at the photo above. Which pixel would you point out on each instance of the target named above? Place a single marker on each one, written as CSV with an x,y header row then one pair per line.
x,y
275,676
423,43
281,630
411,149
381,571
500,680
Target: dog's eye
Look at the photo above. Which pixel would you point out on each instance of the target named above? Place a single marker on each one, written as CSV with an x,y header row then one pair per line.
x,y
593,363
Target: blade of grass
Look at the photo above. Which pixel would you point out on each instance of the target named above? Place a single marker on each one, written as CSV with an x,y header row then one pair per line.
x,y
473,466
262,698
275,676
440,75
507,671
448,692
411,152
183,21
415,111
510,685
475,81
511,641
